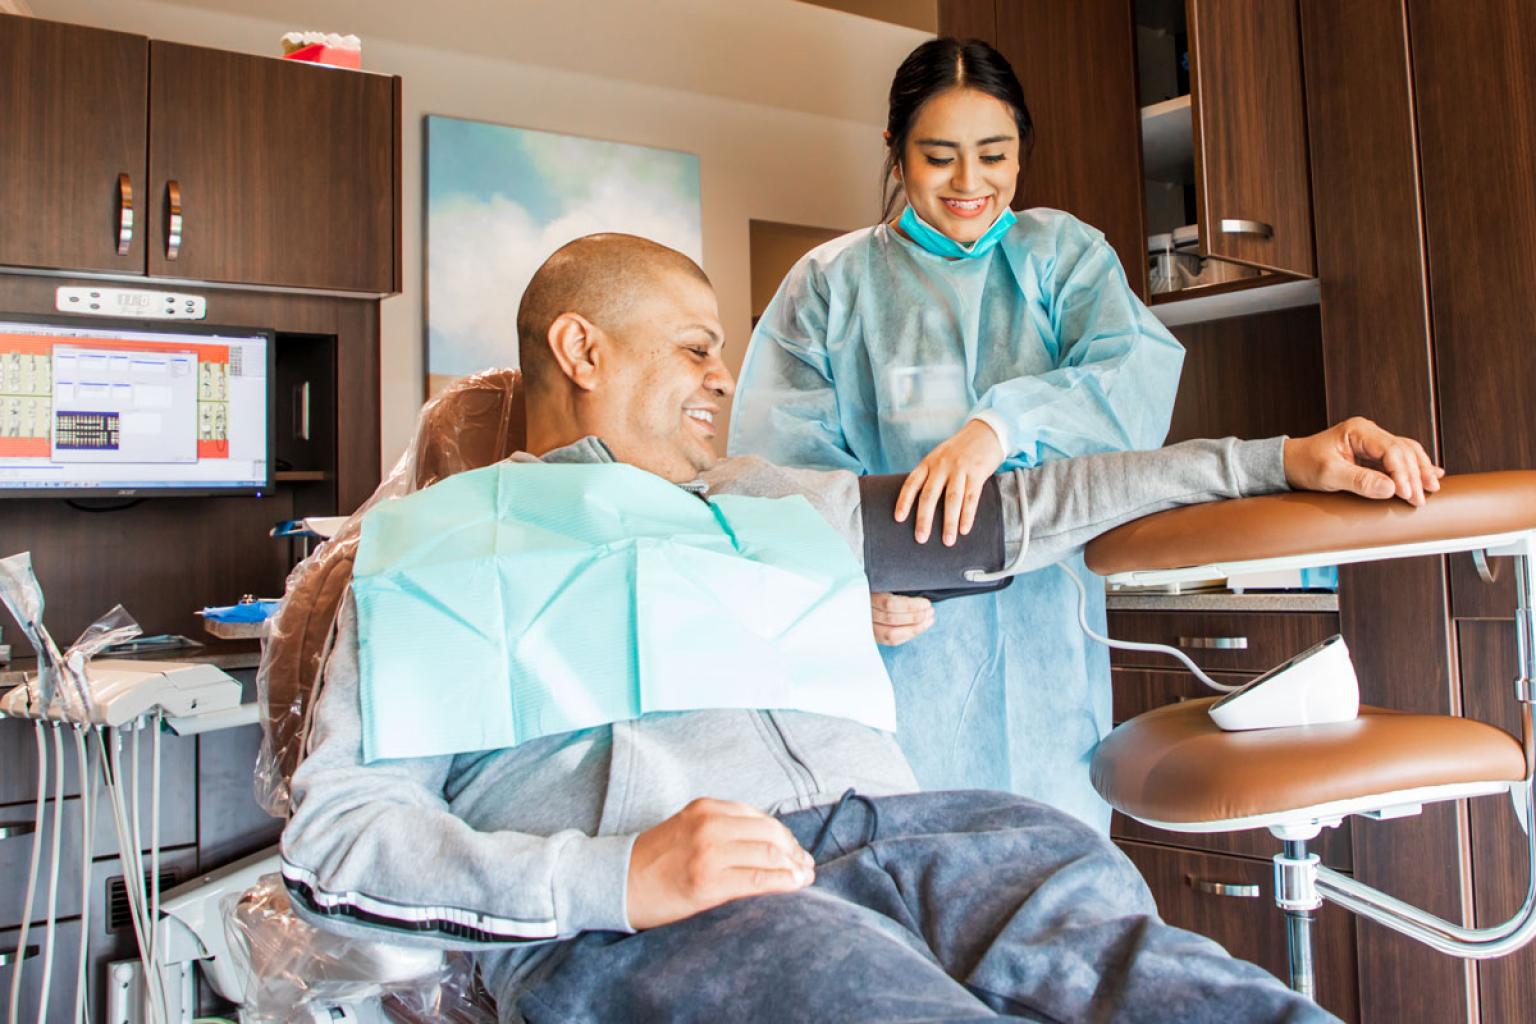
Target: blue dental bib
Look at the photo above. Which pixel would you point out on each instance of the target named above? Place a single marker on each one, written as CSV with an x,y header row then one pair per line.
x,y
527,599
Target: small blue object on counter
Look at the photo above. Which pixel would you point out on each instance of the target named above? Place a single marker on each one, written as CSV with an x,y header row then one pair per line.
x,y
245,611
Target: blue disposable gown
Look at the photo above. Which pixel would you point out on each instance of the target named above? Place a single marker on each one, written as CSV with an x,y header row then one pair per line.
x,y
873,351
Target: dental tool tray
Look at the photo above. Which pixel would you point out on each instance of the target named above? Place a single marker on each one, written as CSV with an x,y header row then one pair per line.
x,y
123,690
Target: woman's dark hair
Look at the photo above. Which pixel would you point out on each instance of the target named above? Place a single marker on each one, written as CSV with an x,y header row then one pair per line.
x,y
939,65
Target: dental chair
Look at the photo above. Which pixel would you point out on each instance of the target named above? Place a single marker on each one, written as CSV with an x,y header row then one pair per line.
x,y
1174,769
277,958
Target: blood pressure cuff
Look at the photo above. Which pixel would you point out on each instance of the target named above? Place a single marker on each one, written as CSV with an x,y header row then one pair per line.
x,y
896,563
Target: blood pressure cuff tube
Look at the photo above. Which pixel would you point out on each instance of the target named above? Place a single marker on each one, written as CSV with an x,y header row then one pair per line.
x,y
896,563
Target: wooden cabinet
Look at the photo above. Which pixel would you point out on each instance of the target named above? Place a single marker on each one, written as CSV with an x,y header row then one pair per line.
x,y
284,172
1232,901
1252,184
1130,143
74,105
233,168
1246,642
1224,141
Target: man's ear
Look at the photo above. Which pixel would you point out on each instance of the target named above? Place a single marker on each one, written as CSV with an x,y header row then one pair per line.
x,y
576,345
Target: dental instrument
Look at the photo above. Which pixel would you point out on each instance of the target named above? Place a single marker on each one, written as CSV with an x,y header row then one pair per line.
x,y
98,701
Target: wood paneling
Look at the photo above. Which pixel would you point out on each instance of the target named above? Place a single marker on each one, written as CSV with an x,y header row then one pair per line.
x,y
72,107
165,557
1376,347
968,19
1478,145
1251,928
1479,219
1507,987
1254,376
284,168
1077,63
1250,128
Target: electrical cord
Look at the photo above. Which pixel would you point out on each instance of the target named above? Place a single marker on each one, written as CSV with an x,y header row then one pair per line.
x,y
82,1013
41,808
50,931
1127,645
133,873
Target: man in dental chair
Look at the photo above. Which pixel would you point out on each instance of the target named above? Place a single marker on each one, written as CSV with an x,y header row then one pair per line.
x,y
690,857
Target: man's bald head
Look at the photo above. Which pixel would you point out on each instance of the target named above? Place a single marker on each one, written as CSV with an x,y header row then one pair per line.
x,y
599,277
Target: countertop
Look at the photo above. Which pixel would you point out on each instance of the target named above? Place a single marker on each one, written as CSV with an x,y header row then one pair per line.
x,y
229,655
1224,601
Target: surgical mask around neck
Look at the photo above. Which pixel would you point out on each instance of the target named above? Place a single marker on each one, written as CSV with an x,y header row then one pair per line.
x,y
940,244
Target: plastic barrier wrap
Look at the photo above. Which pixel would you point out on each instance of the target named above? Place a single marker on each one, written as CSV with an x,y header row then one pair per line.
x,y
60,684
296,972
475,421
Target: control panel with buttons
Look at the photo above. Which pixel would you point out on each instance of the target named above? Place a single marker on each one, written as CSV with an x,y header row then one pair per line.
x,y
134,302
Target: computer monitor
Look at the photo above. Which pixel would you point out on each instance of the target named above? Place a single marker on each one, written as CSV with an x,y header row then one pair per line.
x,y
112,408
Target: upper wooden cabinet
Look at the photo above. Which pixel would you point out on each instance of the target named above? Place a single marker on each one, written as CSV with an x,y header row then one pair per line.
x,y
284,173
73,103
238,169
1156,115
1250,134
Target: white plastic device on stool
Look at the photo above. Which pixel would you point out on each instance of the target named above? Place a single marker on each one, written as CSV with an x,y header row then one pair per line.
x,y
1315,687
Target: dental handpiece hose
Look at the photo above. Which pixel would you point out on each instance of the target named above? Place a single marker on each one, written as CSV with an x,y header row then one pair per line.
x,y
39,809
50,919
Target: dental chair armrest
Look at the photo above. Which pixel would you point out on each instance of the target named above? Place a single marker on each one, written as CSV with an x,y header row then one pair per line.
x,y
1468,512
896,563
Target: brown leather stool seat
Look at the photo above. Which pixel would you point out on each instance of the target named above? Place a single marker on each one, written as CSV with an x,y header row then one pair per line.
x,y
1174,765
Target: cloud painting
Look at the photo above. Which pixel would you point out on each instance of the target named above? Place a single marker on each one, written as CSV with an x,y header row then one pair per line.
x,y
501,199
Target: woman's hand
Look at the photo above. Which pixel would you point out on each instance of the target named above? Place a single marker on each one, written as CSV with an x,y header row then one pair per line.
x,y
1360,457
955,470
898,619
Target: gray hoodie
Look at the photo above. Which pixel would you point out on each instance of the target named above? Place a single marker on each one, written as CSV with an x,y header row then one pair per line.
x,y
504,850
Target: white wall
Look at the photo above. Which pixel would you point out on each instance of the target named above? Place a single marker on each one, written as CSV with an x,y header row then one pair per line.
x,y
782,101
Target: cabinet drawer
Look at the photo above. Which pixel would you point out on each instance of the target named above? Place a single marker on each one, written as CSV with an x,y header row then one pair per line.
x,y
1139,690
1228,641
1250,927
16,852
18,765
61,987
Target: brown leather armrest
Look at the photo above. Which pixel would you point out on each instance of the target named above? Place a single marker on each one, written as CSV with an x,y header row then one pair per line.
x,y
1304,522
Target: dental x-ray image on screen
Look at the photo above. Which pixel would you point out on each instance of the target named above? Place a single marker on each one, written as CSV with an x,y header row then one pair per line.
x,y
101,409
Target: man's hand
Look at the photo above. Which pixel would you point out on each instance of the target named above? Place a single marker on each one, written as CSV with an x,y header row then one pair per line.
x,y
898,619
956,470
1360,457
709,853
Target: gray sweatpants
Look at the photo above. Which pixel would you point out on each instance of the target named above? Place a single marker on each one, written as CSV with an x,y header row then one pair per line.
x,y
965,906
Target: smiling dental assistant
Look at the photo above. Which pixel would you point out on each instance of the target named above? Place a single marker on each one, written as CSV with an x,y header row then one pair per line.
x,y
954,340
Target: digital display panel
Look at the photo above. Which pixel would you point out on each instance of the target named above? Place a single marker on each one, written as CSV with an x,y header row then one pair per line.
x,y
96,409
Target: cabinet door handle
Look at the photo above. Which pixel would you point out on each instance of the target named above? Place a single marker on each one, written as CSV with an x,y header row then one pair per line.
x,y
1234,889
172,220
12,829
1233,226
301,412
16,956
1214,643
124,214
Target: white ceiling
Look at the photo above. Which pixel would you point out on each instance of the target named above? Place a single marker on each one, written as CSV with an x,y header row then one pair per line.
x,y
780,53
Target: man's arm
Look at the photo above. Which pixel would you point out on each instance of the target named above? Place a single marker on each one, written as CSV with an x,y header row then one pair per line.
x,y
1046,513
